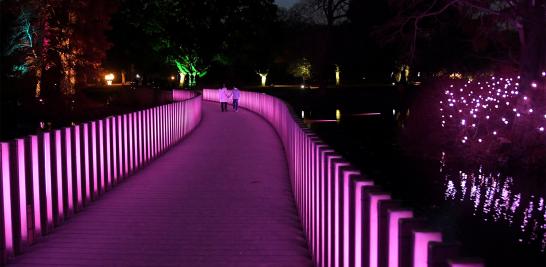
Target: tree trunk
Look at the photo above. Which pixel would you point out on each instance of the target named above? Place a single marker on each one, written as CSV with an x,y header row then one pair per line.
x,y
533,48
38,88
182,79
68,82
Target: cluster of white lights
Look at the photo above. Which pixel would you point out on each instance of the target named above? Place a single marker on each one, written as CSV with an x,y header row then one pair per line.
x,y
482,108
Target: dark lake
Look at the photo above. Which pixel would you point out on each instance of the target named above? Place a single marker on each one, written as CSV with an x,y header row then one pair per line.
x,y
394,136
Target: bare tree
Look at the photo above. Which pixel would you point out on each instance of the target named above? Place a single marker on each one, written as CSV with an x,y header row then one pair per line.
x,y
527,17
329,12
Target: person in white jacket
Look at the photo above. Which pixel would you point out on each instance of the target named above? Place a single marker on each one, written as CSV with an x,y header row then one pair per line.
x,y
223,96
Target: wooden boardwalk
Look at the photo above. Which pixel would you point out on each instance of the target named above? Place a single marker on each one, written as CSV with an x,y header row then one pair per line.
x,y
221,197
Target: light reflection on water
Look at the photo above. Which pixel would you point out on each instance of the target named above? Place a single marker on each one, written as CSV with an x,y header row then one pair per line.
x,y
494,200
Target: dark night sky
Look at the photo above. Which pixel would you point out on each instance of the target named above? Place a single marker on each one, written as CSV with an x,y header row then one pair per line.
x,y
286,3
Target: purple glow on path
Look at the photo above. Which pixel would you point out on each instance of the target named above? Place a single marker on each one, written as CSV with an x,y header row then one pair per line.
x,y
465,264
6,193
40,173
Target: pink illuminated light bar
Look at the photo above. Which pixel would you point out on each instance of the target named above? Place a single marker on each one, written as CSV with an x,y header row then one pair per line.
x,y
6,193
87,164
101,156
77,153
394,234
21,172
69,178
359,187
94,157
374,227
59,172
420,246
35,184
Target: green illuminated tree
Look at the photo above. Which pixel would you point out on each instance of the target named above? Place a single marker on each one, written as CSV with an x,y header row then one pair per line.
x,y
189,65
29,38
301,69
65,35
195,36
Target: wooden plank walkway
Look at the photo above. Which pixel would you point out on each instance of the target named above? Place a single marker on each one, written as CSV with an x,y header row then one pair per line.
x,y
222,197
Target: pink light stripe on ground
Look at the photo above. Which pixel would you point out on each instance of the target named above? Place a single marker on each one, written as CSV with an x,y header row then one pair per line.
x,y
456,264
21,157
6,193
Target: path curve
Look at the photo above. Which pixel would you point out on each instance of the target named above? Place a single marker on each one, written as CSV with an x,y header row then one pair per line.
x,y
221,197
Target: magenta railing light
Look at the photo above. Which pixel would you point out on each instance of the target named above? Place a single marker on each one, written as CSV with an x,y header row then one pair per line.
x,y
421,241
59,176
87,156
6,188
77,153
374,226
108,153
394,234
94,157
69,177
101,155
21,171
341,229
47,177
359,187
79,163
36,184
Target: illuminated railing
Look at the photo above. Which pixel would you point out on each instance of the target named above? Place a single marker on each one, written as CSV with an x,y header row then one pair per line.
x,y
46,178
347,220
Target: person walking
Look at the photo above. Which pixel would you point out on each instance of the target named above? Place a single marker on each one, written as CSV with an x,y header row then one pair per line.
x,y
235,94
223,96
